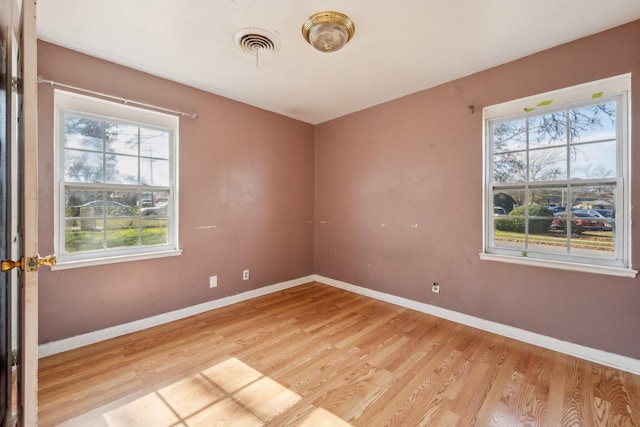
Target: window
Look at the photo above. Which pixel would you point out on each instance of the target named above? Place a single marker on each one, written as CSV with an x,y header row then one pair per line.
x,y
556,179
116,169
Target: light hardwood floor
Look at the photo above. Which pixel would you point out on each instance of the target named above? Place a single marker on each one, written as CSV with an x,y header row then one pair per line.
x,y
320,356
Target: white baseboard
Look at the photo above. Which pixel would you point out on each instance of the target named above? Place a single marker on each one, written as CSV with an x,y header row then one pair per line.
x,y
71,343
602,357
608,359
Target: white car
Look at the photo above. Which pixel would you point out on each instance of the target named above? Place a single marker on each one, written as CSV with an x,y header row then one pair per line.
x,y
158,210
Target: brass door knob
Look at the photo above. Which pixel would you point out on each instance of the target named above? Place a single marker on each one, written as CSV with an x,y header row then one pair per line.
x,y
49,260
33,263
7,264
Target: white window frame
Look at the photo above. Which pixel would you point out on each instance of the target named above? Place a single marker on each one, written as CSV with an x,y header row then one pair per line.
x,y
73,102
619,86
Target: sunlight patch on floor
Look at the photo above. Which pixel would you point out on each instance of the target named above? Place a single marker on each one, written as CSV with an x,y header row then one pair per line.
x,y
324,418
229,393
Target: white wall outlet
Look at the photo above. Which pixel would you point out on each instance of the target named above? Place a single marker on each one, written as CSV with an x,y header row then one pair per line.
x,y
245,275
435,288
213,281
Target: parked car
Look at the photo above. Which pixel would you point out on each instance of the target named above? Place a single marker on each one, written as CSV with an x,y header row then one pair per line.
x,y
580,222
497,210
591,212
160,209
596,213
556,209
607,213
112,208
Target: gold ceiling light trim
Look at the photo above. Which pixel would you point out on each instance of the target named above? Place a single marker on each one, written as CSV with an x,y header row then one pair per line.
x,y
328,31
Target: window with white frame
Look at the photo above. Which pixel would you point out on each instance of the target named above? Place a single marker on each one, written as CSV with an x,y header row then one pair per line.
x,y
556,179
116,175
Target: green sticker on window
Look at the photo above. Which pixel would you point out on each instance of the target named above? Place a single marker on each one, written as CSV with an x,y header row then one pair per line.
x,y
545,103
597,95
528,110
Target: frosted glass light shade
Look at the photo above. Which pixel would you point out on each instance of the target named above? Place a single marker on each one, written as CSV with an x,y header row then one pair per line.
x,y
328,31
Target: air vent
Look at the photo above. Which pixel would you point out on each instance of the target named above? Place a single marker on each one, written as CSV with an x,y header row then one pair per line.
x,y
251,42
256,42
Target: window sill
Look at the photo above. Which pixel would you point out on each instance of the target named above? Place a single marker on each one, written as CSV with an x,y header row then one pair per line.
x,y
561,265
114,259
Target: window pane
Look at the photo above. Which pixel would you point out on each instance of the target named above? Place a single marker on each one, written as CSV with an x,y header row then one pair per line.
x,y
75,199
154,203
509,167
548,129
122,169
83,226
123,139
154,143
121,204
593,123
549,164
593,160
155,232
83,240
593,196
154,172
540,221
84,133
83,166
153,198
590,237
508,233
509,136
508,199
122,233
554,198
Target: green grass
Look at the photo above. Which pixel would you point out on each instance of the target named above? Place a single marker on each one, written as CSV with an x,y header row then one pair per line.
x,y
90,240
597,240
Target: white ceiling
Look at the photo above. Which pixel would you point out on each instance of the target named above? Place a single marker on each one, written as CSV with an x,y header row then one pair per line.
x,y
398,48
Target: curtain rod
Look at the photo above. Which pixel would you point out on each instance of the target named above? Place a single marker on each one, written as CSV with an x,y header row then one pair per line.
x,y
117,98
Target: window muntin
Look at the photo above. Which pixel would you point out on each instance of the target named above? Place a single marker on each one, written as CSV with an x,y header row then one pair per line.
x,y
556,157
117,177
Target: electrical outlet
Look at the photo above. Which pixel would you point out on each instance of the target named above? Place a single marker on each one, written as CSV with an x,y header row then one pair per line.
x,y
245,275
435,288
213,281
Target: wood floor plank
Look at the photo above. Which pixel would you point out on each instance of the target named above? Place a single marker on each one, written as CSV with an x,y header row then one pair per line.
x,y
316,355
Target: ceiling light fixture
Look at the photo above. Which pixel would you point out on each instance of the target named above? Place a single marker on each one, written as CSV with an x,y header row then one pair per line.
x,y
328,31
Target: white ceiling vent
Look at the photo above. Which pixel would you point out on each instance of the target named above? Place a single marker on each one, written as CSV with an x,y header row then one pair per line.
x,y
256,41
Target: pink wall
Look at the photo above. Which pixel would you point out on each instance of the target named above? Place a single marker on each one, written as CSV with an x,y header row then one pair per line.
x,y
245,171
398,202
